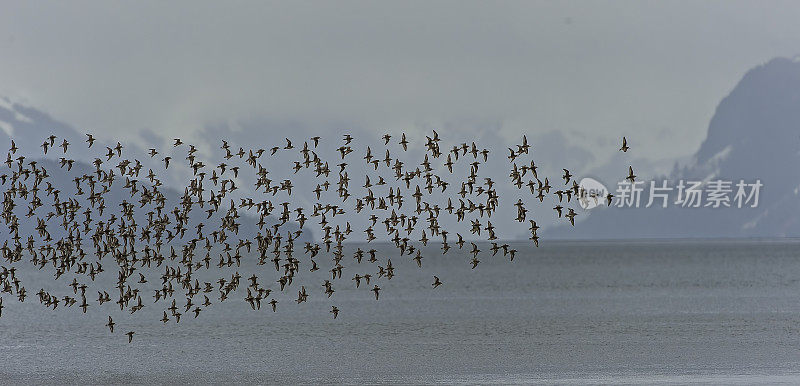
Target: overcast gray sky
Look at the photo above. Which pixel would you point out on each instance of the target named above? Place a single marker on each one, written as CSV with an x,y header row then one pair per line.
x,y
654,71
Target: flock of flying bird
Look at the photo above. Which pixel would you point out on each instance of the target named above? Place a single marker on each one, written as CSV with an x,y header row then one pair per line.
x,y
77,235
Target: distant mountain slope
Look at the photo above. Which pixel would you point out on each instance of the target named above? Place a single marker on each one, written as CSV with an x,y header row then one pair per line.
x,y
754,134
29,127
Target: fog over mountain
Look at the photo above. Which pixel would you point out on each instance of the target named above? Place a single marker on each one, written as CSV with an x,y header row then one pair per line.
x,y
29,127
753,135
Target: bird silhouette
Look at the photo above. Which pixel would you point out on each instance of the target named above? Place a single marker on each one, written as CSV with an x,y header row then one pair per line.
x,y
334,311
631,177
624,147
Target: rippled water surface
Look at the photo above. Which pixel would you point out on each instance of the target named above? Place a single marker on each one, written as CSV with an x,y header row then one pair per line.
x,y
568,312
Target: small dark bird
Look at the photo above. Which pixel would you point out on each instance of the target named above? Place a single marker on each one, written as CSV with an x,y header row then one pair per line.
x,y
130,336
334,311
436,281
631,177
571,216
567,176
624,147
376,289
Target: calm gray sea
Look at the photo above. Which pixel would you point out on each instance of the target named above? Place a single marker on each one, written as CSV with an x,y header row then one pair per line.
x,y
569,312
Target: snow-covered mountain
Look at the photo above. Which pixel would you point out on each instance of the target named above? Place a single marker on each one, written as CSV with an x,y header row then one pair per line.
x,y
753,135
